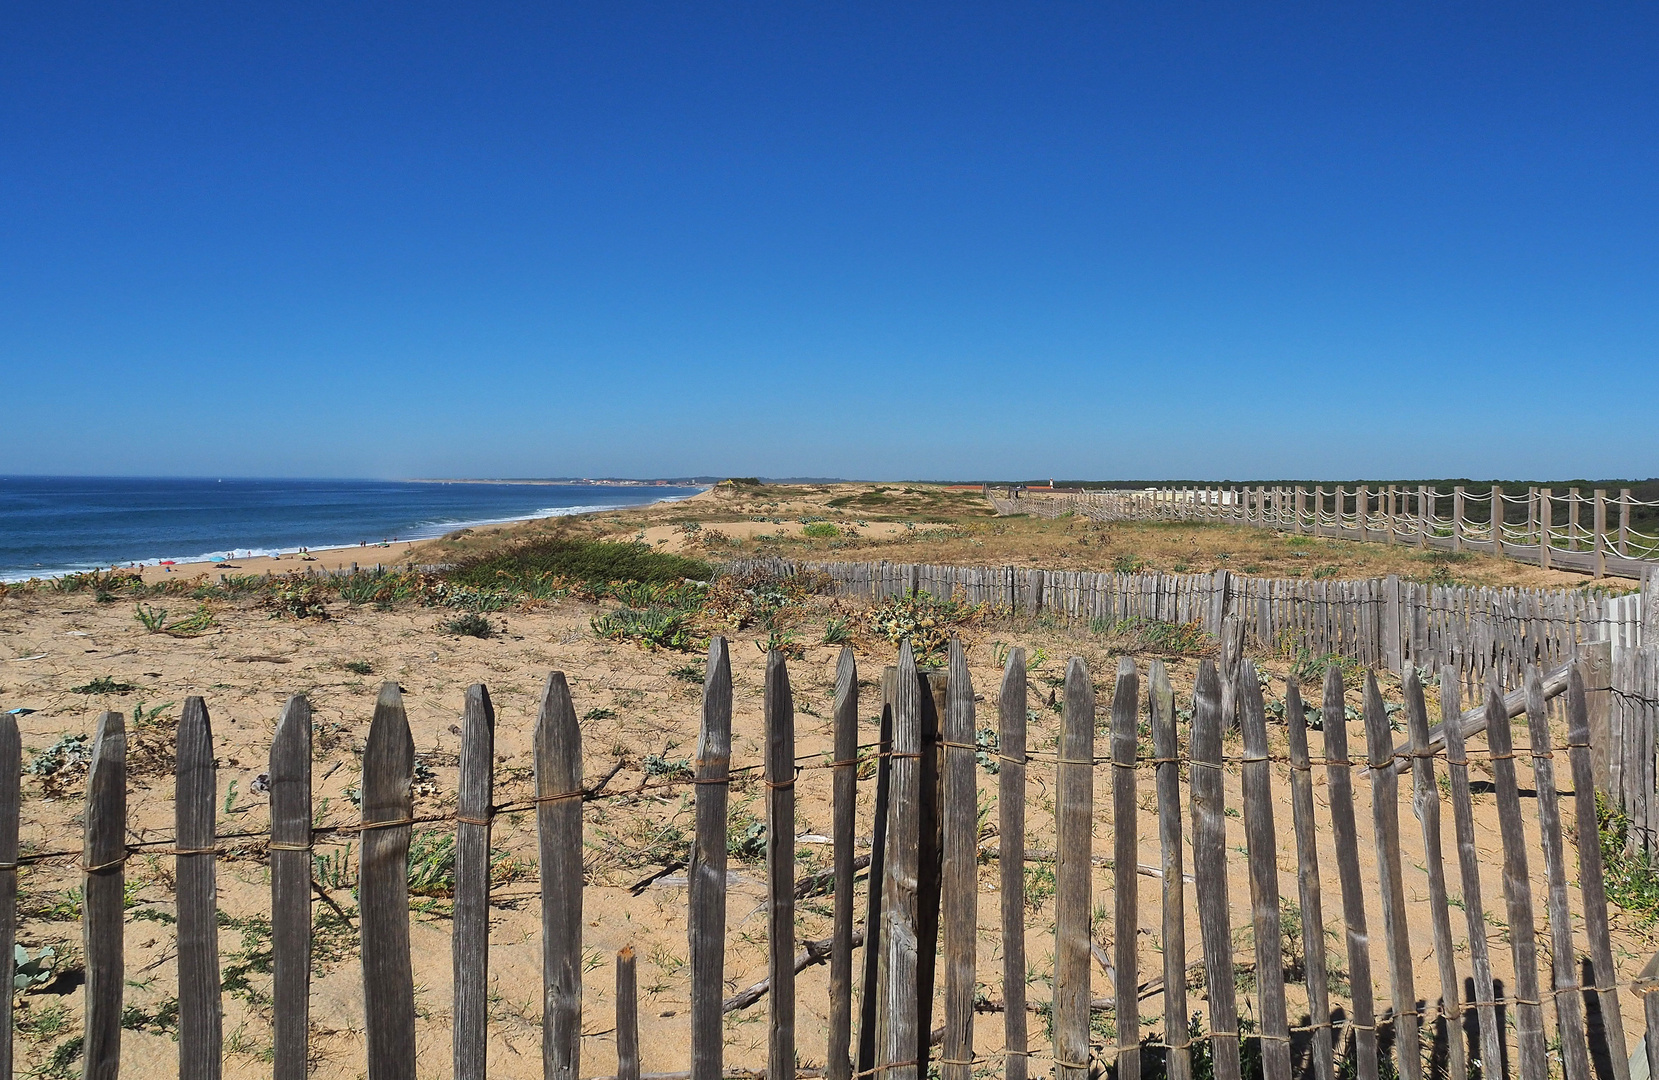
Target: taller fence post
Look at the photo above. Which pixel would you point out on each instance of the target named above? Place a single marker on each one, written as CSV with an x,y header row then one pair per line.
x,y
1177,1054
103,887
838,1062
1385,816
383,889
959,880
1074,816
470,936
706,879
1457,518
1468,861
1011,721
195,802
290,855
901,1049
1592,881
1209,859
558,749
1517,887
1261,846
1625,500
780,865
1126,861
11,773
1307,858
1340,784
1425,803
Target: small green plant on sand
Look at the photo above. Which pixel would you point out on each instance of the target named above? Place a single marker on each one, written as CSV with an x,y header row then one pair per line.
x,y
470,624
659,628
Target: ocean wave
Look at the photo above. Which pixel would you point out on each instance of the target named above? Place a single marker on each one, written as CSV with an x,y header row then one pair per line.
x,y
427,530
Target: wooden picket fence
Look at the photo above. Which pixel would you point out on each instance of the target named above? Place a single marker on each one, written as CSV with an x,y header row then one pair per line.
x,y
1570,532
920,919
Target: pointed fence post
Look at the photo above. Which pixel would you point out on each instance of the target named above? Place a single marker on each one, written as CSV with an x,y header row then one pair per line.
x,y
1011,710
290,855
901,1050
1126,864
1530,1049
470,936
1385,820
11,773
195,803
707,877
1569,1007
1307,860
558,748
1074,828
838,1064
1209,864
780,865
1165,748
959,877
1468,861
1592,881
1261,846
103,885
1425,803
383,889
1340,784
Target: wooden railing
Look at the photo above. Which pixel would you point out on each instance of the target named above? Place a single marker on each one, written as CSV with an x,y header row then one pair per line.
x,y
1571,531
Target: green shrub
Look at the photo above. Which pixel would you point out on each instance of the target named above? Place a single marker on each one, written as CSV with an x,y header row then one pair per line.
x,y
592,562
822,530
471,624
104,684
924,620
660,628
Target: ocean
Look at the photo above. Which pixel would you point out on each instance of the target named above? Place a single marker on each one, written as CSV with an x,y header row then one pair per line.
x,y
59,524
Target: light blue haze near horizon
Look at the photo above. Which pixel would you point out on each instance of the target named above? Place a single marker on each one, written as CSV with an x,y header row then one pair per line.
x,y
877,241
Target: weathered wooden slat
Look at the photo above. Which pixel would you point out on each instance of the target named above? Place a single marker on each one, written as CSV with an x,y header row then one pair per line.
x,y
1425,802
11,771
1569,1009
1339,781
1011,719
1209,859
780,864
194,805
1591,876
1468,859
627,1015
900,1049
1261,845
1177,1055
558,749
1530,1050
959,881
838,1062
291,890
470,933
706,920
1074,812
1385,819
1307,861
1126,859
103,882
383,890
875,944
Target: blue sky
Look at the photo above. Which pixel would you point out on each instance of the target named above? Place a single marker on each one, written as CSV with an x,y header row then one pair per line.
x,y
1101,240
